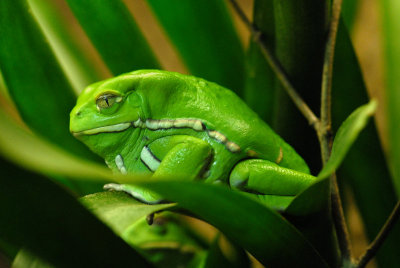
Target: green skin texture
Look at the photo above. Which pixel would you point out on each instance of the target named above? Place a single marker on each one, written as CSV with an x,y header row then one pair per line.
x,y
265,166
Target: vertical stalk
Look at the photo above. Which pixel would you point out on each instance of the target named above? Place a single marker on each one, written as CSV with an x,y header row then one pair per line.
x,y
325,132
380,238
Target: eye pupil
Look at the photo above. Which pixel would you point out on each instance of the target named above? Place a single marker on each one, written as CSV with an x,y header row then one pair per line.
x,y
107,100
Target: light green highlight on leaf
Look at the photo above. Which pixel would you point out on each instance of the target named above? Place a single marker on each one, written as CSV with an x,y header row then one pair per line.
x,y
40,216
391,29
34,78
76,65
203,34
345,137
115,34
119,210
315,198
247,223
33,153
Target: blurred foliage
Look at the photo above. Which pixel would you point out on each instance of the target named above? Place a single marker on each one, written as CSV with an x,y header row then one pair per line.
x,y
46,171
209,47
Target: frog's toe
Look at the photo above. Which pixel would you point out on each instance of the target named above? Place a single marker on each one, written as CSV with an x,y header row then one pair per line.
x,y
113,187
239,178
136,192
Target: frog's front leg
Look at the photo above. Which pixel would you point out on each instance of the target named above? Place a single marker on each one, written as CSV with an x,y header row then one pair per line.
x,y
274,185
186,159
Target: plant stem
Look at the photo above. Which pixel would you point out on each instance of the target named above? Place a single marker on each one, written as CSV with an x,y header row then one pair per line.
x,y
325,132
323,126
277,69
380,238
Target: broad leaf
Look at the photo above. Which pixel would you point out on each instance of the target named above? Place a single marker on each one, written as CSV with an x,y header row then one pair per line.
x,y
35,81
36,154
365,169
349,12
312,200
391,26
261,231
73,59
381,187
203,33
49,222
114,33
214,204
300,35
260,86
118,209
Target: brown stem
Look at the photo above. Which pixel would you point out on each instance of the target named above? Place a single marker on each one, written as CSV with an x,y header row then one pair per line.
x,y
326,130
380,238
323,127
277,69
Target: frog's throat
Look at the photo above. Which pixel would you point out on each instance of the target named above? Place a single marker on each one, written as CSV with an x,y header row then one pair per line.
x,y
154,124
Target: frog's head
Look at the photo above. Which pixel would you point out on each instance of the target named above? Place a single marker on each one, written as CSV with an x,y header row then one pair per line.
x,y
105,114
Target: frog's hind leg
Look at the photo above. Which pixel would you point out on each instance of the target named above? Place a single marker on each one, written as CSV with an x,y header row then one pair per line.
x,y
274,185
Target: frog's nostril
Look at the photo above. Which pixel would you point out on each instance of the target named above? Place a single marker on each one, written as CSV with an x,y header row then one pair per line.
x,y
78,114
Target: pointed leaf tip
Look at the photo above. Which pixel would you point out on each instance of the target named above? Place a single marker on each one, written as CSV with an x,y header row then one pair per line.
x,y
313,199
346,136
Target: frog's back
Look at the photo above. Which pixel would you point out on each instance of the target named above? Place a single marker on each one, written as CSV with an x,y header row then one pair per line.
x,y
221,111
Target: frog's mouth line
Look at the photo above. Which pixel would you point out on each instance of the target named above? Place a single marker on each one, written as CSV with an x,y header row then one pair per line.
x,y
112,128
158,124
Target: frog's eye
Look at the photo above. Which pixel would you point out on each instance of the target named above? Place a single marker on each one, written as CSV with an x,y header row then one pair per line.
x,y
107,100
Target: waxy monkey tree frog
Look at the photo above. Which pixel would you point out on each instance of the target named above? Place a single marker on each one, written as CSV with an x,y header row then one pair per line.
x,y
180,126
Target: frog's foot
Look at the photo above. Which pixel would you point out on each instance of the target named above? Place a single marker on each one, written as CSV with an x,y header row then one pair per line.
x,y
274,185
265,177
137,192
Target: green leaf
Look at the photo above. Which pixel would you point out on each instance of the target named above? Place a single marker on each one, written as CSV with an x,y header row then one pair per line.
x,y
35,81
260,85
315,198
33,153
118,209
73,59
261,231
168,242
38,155
311,200
25,259
203,33
391,27
299,41
166,227
346,136
30,151
349,12
49,222
216,257
114,33
365,169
